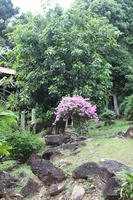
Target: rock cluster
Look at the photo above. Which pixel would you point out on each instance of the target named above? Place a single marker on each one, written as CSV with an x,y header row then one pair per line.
x,y
7,182
107,172
104,174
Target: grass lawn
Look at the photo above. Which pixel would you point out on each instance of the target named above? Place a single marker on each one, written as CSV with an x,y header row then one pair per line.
x,y
108,131
102,146
96,149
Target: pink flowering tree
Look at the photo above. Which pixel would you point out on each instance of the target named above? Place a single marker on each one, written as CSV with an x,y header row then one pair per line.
x,y
76,107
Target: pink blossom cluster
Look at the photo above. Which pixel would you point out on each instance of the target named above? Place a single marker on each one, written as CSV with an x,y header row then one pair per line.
x,y
75,106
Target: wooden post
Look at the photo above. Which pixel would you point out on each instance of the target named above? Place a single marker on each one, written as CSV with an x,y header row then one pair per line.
x,y
33,118
22,123
66,123
72,122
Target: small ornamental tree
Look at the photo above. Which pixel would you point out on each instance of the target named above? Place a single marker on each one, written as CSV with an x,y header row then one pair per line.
x,y
77,107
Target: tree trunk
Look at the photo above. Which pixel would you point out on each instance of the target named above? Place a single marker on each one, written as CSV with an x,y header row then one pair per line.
x,y
116,108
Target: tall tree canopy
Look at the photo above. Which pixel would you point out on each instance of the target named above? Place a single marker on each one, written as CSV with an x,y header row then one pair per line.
x,y
63,54
7,11
120,14
85,50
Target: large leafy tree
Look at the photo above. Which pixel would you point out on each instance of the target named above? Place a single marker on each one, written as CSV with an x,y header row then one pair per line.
x,y
7,11
120,14
63,54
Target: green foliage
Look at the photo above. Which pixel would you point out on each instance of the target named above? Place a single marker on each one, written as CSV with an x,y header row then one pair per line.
x,y
119,13
8,122
108,114
99,130
62,54
7,11
12,102
127,107
82,129
7,115
46,118
4,149
6,83
23,145
49,117
127,187
86,50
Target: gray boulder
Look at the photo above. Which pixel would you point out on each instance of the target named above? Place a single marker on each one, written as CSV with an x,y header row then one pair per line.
x,y
8,180
56,140
108,171
30,188
85,170
47,172
78,193
105,174
112,189
113,166
55,189
129,133
51,153
33,157
73,145
70,146
1,189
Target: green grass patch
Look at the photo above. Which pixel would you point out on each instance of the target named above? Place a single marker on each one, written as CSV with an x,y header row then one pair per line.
x,y
97,149
26,169
101,131
103,144
8,165
15,169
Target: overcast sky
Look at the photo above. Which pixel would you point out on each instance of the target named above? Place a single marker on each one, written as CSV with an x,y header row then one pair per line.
x,y
35,5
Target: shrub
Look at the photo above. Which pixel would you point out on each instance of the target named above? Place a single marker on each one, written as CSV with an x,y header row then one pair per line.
x,y
108,114
127,187
82,129
23,145
49,117
76,107
45,118
4,149
8,121
126,107
12,102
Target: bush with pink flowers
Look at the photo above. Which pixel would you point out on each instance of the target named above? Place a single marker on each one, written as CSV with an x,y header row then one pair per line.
x,y
77,107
